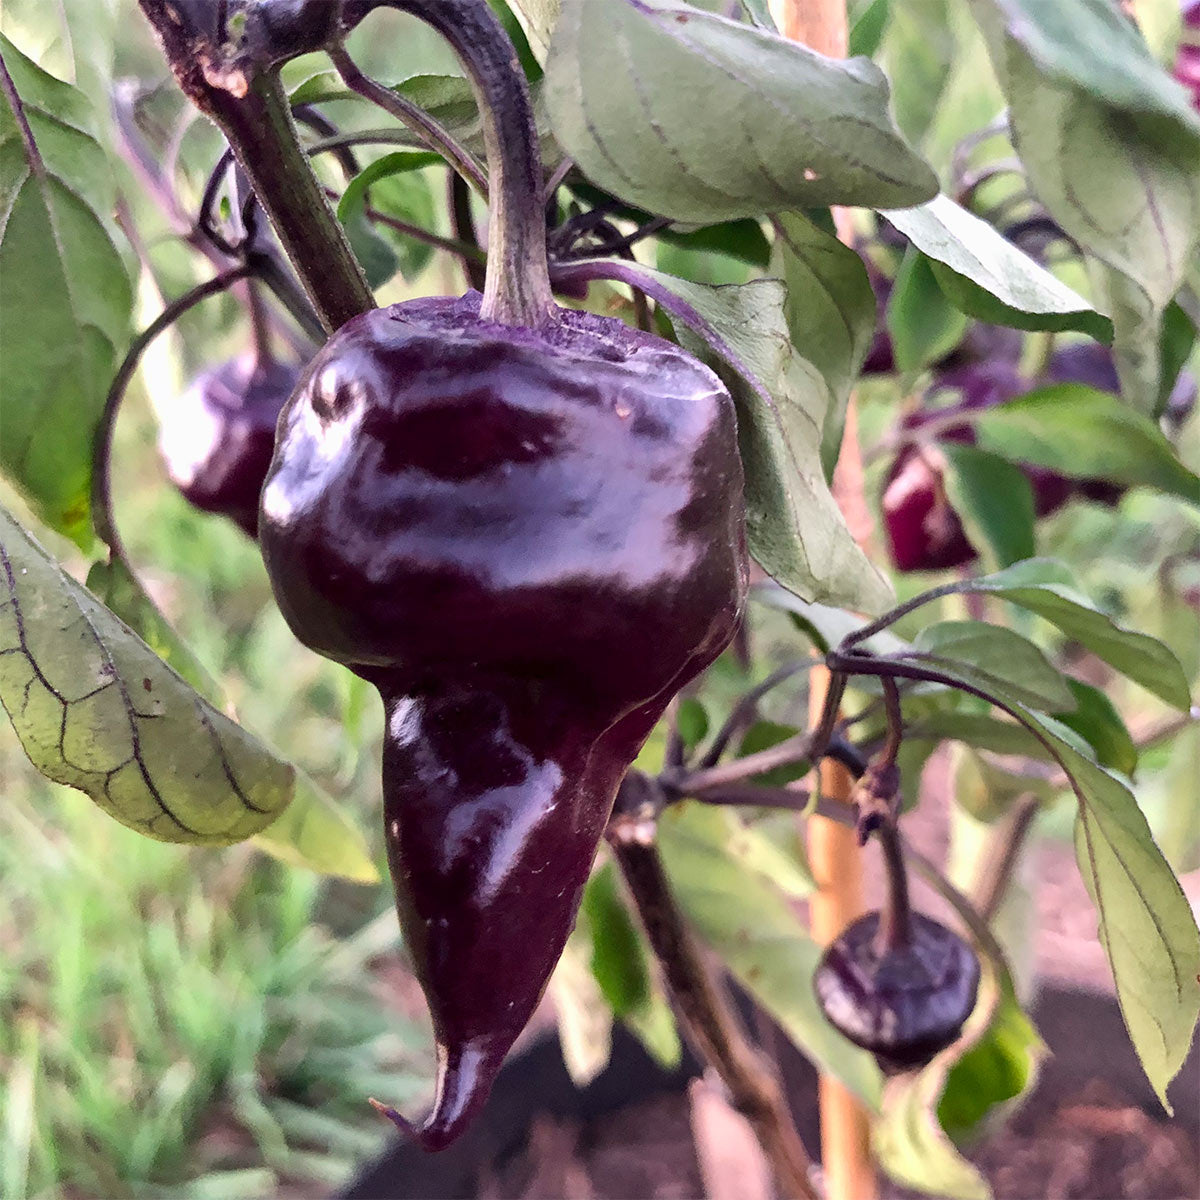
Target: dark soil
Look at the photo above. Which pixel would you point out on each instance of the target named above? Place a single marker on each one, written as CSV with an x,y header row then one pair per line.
x,y
1095,1145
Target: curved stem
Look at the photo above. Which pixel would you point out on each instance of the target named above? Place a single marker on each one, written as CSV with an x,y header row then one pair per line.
x,y
102,500
895,926
518,275
412,115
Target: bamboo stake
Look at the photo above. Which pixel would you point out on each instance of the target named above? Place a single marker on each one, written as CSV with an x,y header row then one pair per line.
x,y
833,849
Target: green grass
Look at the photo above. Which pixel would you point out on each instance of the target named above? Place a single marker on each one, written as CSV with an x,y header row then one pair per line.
x,y
179,1022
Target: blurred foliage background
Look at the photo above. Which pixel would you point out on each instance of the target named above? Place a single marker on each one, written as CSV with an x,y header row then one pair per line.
x,y
208,1024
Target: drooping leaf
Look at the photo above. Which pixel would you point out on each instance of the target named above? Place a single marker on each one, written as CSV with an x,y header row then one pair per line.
x,y
621,962
994,500
989,278
704,119
317,833
121,592
1096,47
923,325
794,526
1096,720
65,294
1085,433
1122,181
1047,588
97,709
1146,924
990,657
830,312
749,922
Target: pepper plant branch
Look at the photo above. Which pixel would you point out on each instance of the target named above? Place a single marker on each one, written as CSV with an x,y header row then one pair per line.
x,y
744,710
462,223
433,134
707,1015
252,111
463,249
102,500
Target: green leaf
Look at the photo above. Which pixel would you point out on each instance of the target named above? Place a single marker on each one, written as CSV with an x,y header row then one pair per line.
x,y
867,31
994,500
316,832
992,657
1180,835
988,278
393,190
65,295
750,923
981,730
1047,588
622,964
830,312
704,119
794,526
122,594
1095,46
692,721
924,326
919,51
824,625
762,735
97,709
537,18
1096,720
1085,433
1120,181
1146,924
584,1018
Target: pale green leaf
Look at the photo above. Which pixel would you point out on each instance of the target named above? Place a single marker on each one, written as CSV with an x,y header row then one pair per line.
x,y
1095,46
991,657
317,833
751,925
703,119
1046,587
1085,433
922,323
537,18
794,526
830,312
97,709
988,278
584,1017
1123,182
65,295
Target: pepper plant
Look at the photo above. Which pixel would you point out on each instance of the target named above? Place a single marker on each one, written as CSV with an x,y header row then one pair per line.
x,y
578,526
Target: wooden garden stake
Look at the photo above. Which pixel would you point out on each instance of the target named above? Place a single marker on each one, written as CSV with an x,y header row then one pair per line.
x,y
833,848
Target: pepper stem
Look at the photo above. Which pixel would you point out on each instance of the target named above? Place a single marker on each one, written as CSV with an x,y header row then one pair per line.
x,y
517,287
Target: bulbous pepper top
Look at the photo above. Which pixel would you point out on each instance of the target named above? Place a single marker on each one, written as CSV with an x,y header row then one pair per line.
x,y
453,494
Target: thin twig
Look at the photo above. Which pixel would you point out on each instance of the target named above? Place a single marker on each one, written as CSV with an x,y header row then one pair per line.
x,y
1005,844
434,135
102,499
33,156
707,1016
744,710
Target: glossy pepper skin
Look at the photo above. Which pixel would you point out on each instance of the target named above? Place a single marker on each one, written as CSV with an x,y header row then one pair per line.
x,y
217,439
903,1003
529,540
